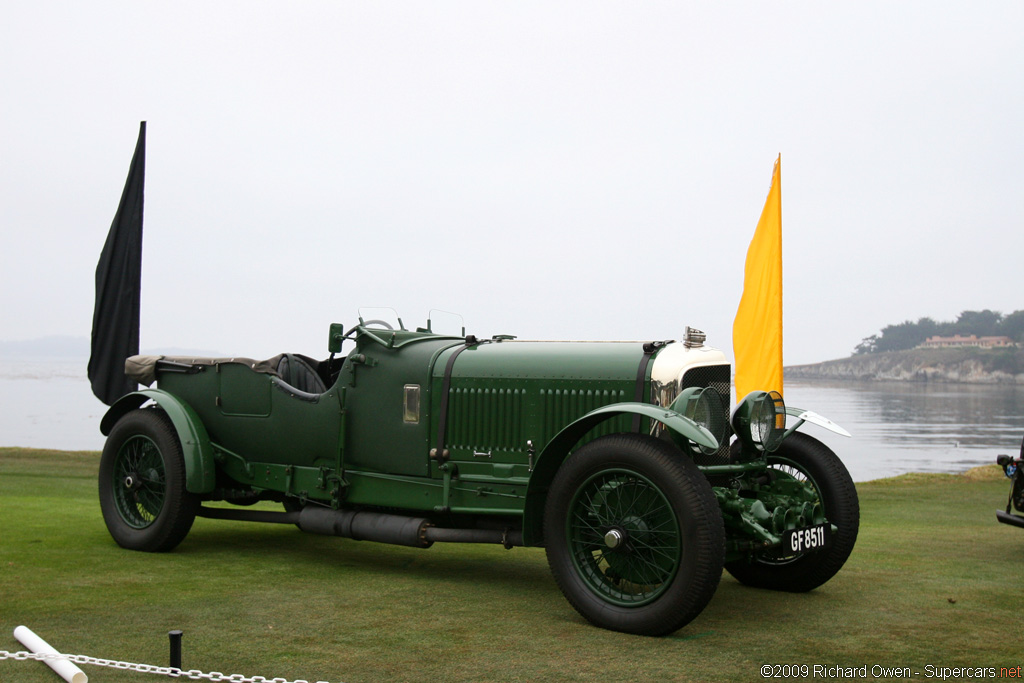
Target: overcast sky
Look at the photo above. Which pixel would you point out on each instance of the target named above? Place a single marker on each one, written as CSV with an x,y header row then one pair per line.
x,y
552,170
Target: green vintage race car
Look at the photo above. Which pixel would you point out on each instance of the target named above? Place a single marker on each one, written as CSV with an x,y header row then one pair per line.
x,y
619,458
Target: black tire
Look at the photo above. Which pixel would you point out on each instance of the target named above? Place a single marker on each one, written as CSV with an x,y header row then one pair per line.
x,y
142,484
804,457
649,500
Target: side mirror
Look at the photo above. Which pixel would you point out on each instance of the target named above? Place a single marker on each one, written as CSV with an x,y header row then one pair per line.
x,y
1022,449
337,336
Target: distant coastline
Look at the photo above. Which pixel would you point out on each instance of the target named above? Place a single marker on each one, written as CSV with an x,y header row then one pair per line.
x,y
56,346
63,347
953,365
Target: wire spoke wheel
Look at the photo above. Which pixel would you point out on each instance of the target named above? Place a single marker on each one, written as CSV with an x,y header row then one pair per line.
x,y
633,535
624,537
145,503
140,485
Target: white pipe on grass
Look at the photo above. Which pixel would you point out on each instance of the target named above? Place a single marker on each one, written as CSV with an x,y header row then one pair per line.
x,y
65,669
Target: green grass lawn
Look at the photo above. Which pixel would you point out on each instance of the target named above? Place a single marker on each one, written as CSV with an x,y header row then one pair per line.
x,y
932,581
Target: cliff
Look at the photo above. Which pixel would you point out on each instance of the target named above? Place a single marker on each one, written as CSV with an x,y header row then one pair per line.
x,y
966,365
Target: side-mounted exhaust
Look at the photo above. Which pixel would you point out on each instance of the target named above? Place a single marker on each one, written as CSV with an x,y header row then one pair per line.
x,y
362,525
365,526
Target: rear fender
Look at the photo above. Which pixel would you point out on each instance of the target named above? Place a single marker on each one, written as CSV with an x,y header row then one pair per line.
x,y
200,472
558,449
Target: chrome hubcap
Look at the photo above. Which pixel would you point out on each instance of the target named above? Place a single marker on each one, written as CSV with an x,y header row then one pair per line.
x,y
613,539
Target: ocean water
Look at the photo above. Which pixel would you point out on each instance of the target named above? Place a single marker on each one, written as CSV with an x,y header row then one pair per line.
x,y
47,403
897,427
900,427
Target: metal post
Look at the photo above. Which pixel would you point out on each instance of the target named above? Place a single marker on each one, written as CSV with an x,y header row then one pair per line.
x,y
175,637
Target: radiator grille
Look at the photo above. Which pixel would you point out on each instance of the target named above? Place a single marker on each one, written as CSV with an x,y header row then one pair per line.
x,y
718,378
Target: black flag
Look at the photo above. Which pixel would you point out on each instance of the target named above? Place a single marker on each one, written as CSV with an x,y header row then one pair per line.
x,y
115,319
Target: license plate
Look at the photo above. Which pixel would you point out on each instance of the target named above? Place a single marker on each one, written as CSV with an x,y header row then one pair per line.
x,y
808,539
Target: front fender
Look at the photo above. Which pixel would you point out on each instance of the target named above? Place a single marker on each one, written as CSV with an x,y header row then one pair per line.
x,y
557,450
200,472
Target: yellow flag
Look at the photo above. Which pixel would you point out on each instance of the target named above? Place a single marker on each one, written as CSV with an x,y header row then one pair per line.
x,y
757,330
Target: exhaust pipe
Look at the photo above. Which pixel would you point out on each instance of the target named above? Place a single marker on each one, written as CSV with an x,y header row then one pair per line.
x,y
415,532
365,526
508,537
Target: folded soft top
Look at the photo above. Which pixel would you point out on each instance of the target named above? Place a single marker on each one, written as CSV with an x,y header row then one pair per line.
x,y
143,368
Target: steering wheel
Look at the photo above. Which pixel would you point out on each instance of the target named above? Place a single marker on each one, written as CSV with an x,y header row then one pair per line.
x,y
383,323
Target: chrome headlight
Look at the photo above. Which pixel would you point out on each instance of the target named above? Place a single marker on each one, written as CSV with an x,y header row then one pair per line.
x,y
760,420
703,405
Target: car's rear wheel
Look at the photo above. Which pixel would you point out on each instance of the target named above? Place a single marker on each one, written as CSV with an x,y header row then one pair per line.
x,y
142,484
634,535
805,459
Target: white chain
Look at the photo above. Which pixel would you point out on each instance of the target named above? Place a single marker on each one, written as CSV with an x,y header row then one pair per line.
x,y
194,674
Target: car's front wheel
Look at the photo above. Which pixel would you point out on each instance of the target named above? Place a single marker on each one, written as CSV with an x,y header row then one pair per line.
x,y
804,459
142,484
634,536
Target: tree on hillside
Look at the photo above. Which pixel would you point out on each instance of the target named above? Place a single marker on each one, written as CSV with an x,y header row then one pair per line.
x,y
908,335
981,323
867,345
1013,326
